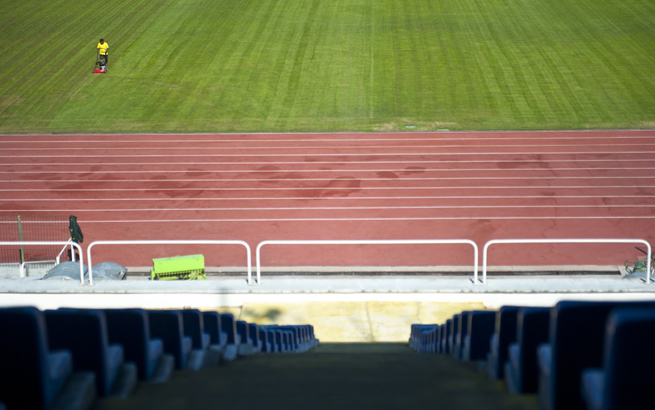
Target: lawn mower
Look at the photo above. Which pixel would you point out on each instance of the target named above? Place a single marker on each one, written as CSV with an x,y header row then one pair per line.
x,y
101,64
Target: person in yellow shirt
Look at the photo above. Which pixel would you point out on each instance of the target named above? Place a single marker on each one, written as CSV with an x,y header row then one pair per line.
x,y
103,50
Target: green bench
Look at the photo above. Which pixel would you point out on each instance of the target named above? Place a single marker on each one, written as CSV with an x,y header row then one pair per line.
x,y
191,267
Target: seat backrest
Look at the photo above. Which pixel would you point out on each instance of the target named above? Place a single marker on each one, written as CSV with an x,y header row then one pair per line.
x,y
243,331
253,333
131,329
212,324
454,330
24,355
194,326
263,336
576,333
481,325
462,328
531,331
506,331
628,359
83,332
168,325
445,334
229,326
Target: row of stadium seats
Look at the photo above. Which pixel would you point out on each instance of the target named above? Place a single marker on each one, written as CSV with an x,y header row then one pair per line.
x,y
65,358
576,355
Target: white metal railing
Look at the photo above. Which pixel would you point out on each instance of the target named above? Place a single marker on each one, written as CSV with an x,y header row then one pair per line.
x,y
23,268
172,242
57,260
63,249
65,243
522,241
370,242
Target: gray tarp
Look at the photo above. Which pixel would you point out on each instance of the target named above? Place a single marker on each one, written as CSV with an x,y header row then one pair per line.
x,y
108,271
66,271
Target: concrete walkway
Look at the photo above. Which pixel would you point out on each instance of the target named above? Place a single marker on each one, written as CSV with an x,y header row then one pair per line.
x,y
333,376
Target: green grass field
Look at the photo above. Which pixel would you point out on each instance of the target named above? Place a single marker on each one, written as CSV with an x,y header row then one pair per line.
x,y
327,65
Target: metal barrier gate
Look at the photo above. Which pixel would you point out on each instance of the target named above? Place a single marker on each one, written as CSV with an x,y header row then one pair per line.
x,y
166,242
495,241
371,242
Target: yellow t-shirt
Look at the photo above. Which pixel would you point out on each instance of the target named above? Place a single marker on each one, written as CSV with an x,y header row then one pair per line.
x,y
103,48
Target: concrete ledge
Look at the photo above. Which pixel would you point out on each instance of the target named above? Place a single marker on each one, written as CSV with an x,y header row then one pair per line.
x,y
394,270
529,290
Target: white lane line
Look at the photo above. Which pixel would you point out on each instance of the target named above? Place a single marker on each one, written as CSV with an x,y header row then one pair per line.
x,y
475,178
330,208
363,147
232,163
302,198
455,218
395,154
278,171
248,139
319,188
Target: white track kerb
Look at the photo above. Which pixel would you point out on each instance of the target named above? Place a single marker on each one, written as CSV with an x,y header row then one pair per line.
x,y
371,242
166,242
518,241
53,243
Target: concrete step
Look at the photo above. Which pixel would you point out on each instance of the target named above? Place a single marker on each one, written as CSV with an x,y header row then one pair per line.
x,y
337,375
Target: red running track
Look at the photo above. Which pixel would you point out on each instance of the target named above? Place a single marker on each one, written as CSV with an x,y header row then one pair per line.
x,y
254,187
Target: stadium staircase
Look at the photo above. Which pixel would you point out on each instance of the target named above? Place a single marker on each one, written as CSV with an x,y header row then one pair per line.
x,y
332,376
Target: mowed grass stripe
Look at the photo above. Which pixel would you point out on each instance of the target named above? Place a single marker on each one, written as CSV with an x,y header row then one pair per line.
x,y
330,65
53,62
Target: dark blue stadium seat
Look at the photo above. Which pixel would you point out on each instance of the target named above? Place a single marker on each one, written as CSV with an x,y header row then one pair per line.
x,y
229,326
312,336
504,334
481,325
131,329
436,338
445,336
246,347
520,370
31,376
263,338
452,333
293,334
288,340
575,342
84,333
439,348
271,340
460,335
628,363
194,327
303,340
168,326
266,336
253,334
212,323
